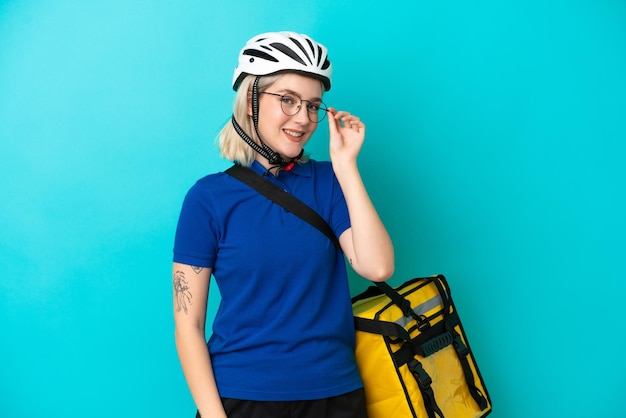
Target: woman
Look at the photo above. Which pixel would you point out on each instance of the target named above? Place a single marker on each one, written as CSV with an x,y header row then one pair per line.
x,y
283,338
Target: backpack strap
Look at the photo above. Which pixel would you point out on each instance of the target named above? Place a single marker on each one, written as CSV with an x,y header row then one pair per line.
x,y
386,328
424,382
404,304
282,198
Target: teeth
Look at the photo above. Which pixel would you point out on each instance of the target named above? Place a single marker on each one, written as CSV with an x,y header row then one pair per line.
x,y
293,133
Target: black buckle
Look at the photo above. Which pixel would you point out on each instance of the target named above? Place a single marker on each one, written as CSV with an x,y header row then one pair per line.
x,y
423,379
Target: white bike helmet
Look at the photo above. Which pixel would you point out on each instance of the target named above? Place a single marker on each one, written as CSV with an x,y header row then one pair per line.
x,y
276,52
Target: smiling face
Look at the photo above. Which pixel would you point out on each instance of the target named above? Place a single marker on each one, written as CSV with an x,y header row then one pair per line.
x,y
286,134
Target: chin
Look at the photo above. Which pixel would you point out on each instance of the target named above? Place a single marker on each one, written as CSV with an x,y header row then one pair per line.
x,y
290,152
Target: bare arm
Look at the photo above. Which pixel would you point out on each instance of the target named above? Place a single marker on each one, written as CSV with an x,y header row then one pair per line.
x,y
366,243
191,290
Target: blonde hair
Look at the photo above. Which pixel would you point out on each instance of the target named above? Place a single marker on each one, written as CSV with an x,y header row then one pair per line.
x,y
231,145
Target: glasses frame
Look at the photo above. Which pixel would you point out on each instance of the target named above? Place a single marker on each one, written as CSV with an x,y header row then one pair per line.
x,y
321,106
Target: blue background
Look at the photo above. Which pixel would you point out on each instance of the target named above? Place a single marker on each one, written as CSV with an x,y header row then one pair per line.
x,y
494,154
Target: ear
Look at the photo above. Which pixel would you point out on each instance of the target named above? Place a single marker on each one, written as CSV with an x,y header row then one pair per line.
x,y
249,103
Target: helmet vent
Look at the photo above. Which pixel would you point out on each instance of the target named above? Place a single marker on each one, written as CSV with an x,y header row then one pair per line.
x,y
306,54
288,51
259,54
308,41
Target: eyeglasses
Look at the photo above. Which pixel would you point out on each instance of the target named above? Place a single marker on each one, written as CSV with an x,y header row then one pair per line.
x,y
291,105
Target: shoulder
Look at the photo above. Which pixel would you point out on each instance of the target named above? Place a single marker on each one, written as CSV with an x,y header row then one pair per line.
x,y
210,184
211,180
209,192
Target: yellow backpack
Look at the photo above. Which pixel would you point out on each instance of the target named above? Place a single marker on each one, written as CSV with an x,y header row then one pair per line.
x,y
413,355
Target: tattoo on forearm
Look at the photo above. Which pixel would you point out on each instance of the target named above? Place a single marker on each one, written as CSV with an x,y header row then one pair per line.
x,y
181,291
197,269
350,260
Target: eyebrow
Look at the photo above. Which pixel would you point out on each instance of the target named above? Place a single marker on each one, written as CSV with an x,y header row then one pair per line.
x,y
315,99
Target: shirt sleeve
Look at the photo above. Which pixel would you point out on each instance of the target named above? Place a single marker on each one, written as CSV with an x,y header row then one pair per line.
x,y
196,237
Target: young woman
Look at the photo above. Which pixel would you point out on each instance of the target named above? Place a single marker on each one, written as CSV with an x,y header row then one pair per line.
x,y
283,338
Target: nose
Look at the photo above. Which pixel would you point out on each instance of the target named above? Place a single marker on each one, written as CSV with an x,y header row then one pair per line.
x,y
301,115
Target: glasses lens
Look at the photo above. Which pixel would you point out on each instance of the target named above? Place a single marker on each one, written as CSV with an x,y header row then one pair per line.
x,y
319,115
291,105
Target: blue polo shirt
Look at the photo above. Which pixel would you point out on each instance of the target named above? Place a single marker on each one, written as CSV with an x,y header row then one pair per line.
x,y
284,328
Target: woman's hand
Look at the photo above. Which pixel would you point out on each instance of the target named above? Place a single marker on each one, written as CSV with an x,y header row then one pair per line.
x,y
347,134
